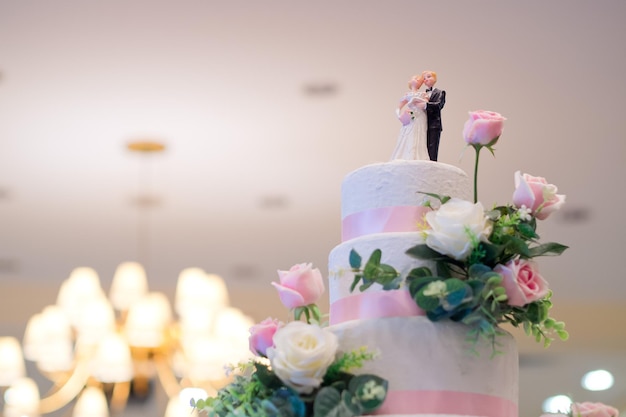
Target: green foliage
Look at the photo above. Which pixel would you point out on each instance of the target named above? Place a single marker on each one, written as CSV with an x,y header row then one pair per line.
x,y
260,393
470,291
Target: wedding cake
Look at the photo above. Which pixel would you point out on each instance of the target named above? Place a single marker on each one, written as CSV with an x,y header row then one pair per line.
x,y
431,369
419,287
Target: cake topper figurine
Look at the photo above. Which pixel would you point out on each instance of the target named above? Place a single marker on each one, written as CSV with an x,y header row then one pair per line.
x,y
411,143
420,115
436,101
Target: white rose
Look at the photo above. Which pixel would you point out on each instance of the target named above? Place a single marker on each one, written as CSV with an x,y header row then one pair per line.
x,y
455,226
301,355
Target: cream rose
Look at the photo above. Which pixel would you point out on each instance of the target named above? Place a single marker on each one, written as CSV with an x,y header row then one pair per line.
x,y
301,355
455,226
587,409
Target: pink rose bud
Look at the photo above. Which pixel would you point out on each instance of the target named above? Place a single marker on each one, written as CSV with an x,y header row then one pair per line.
x,y
522,282
537,195
262,336
483,127
300,286
594,410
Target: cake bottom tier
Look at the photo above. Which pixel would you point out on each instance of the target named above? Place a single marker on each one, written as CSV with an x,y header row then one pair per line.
x,y
432,370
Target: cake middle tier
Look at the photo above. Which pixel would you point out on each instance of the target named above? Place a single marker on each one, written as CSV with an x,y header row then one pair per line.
x,y
374,302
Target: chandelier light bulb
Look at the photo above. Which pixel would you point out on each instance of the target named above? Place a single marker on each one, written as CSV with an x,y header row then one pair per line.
x,y
91,403
598,380
129,285
112,362
11,361
21,399
557,404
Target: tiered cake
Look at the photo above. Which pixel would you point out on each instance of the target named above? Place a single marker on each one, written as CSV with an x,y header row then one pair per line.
x,y
430,368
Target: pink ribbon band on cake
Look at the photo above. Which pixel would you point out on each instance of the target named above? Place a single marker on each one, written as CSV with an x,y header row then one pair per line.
x,y
382,220
374,304
447,402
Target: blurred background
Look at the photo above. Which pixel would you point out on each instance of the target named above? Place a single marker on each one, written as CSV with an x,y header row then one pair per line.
x,y
263,108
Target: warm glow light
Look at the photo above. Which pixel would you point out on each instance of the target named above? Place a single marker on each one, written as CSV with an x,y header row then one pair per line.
x,y
22,399
196,287
80,289
98,319
598,380
81,342
129,285
112,362
53,342
176,408
91,403
207,359
557,404
11,361
147,320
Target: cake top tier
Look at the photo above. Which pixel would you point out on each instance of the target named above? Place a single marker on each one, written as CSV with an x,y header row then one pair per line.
x,y
400,183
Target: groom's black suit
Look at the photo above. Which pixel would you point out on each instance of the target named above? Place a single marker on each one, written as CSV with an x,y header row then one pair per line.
x,y
433,112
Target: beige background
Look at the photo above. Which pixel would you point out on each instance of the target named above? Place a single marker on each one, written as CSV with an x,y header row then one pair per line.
x,y
265,107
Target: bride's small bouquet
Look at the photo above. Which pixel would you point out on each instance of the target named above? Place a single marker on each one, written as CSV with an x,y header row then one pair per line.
x,y
485,271
298,369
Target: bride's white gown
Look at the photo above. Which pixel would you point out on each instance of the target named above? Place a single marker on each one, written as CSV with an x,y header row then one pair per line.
x,y
411,142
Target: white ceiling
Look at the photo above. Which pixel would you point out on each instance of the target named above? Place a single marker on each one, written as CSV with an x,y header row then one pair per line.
x,y
250,179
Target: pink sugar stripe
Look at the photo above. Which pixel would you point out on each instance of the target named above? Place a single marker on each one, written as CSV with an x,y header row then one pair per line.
x,y
374,304
447,402
382,220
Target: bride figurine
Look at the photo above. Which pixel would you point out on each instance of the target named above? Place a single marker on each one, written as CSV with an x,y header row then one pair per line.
x,y
411,142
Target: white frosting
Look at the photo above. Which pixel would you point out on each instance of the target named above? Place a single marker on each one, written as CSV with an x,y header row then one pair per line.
x,y
417,354
399,183
392,246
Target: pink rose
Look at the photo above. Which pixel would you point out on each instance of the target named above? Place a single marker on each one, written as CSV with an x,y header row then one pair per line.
x,y
593,410
300,286
522,282
262,336
483,127
537,195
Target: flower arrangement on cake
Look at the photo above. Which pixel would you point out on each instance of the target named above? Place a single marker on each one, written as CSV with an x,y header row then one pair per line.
x,y
298,370
587,409
485,270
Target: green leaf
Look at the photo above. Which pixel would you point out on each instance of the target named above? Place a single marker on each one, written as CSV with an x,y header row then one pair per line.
x,y
516,245
328,404
370,391
420,272
443,198
357,278
267,377
351,403
527,231
427,302
355,260
424,252
547,249
416,284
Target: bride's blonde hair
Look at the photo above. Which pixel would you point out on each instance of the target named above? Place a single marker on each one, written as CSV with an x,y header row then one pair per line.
x,y
418,80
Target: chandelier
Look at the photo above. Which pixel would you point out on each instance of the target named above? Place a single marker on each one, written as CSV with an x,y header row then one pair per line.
x,y
101,350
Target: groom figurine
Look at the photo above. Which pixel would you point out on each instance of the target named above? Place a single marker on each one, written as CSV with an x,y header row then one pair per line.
x,y
436,101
